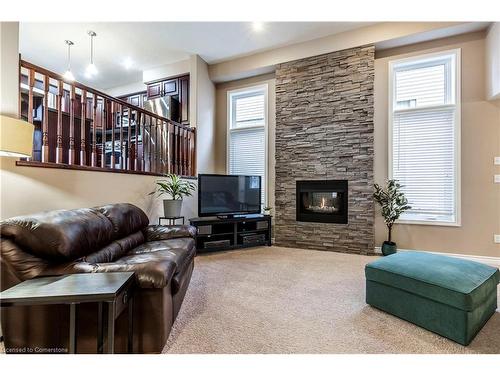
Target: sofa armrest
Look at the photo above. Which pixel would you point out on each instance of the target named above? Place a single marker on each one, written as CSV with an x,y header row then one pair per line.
x,y
167,232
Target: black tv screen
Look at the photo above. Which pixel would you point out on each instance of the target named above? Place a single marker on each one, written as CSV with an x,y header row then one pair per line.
x,y
220,195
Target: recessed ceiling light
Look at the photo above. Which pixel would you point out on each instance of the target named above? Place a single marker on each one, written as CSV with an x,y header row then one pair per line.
x,y
127,63
258,26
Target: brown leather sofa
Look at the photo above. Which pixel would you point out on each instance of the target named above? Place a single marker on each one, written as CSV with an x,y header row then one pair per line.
x,y
110,238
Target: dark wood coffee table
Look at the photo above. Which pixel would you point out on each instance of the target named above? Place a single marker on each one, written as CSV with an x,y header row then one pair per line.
x,y
112,290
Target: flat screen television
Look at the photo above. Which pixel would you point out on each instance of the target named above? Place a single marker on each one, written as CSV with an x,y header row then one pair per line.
x,y
228,195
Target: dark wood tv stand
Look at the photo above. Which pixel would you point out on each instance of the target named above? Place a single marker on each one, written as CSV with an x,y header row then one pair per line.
x,y
237,232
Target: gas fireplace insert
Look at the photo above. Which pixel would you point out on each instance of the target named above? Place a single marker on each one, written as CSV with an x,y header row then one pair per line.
x,y
322,201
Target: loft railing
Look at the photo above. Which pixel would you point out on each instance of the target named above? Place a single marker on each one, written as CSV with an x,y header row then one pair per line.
x,y
77,127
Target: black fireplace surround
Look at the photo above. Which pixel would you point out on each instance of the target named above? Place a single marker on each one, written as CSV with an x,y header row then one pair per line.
x,y
322,201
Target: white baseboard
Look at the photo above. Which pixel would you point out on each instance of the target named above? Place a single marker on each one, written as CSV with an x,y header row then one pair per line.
x,y
491,261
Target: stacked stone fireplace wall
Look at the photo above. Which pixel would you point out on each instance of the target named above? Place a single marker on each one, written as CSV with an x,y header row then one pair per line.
x,y
324,131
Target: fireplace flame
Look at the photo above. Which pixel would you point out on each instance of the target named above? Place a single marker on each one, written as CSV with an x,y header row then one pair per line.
x,y
322,203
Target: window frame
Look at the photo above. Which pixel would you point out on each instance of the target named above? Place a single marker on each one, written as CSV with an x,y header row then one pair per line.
x,y
248,90
455,92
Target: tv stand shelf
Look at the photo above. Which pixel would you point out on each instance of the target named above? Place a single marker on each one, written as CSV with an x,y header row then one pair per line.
x,y
238,232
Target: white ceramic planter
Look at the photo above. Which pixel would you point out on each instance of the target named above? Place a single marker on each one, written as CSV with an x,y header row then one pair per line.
x,y
172,208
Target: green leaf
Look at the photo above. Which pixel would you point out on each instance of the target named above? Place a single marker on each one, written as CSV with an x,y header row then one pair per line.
x,y
175,187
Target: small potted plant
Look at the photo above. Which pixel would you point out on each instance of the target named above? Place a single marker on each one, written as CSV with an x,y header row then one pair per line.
x,y
267,210
393,203
177,189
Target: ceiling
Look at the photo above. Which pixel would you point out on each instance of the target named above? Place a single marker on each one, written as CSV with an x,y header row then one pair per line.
x,y
146,45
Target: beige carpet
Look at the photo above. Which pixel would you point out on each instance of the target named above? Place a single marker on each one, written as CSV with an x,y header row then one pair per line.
x,y
279,300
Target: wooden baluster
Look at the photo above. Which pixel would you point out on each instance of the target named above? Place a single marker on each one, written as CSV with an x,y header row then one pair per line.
x,y
83,129
136,143
193,154
186,147
31,104
172,147
150,140
160,158
184,152
113,162
71,148
189,165
174,154
168,148
104,123
94,130
45,120
186,165
162,148
165,145
152,144
179,149
157,148
129,144
122,159
59,140
142,125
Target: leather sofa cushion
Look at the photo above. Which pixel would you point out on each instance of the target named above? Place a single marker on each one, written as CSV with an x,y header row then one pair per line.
x,y
151,269
162,232
125,218
115,249
22,265
60,235
179,250
455,282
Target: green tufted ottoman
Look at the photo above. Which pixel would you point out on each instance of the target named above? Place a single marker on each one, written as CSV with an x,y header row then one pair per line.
x,y
451,297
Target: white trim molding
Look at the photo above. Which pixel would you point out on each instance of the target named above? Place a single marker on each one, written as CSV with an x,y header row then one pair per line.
x,y
490,261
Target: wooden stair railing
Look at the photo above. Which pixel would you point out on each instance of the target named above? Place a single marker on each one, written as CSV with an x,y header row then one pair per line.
x,y
78,127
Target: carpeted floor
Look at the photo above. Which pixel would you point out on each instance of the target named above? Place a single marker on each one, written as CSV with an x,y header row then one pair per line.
x,y
279,300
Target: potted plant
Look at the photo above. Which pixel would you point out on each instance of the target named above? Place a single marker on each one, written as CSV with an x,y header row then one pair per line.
x,y
177,189
267,210
393,203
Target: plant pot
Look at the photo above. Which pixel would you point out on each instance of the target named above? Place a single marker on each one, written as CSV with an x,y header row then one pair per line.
x,y
172,208
389,248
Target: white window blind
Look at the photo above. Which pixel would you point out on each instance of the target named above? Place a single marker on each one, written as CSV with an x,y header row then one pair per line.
x,y
424,136
247,134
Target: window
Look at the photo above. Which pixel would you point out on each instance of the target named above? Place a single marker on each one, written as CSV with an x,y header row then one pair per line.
x,y
247,134
424,135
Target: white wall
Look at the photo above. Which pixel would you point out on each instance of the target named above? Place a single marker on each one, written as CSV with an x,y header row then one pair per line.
x,y
388,32
9,74
493,62
202,100
168,70
127,89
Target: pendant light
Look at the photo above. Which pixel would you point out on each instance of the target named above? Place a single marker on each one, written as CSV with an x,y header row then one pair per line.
x,y
91,68
68,75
